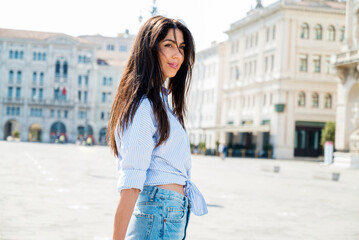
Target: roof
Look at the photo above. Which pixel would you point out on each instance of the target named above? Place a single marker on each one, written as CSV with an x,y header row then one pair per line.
x,y
319,4
35,35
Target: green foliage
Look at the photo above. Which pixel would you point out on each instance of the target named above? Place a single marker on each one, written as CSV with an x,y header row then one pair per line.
x,y
202,146
328,133
16,134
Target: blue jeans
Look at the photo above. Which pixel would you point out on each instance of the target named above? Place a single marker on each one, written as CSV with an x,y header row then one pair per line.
x,y
159,214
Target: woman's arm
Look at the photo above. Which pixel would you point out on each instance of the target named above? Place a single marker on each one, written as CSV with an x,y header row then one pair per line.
x,y
126,204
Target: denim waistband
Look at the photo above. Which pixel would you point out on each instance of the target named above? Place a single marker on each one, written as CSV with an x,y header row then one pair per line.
x,y
164,193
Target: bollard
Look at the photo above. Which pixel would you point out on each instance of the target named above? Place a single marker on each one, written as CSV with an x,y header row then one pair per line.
x,y
335,176
243,153
256,154
230,152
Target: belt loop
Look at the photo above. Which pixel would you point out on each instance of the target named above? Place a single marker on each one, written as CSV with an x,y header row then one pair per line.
x,y
153,193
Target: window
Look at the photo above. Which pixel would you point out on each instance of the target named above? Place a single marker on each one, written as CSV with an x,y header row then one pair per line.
x,y
272,63
79,80
79,95
110,47
328,66
123,48
103,97
56,94
237,72
33,93
9,92
268,33
59,113
18,77
85,96
318,32
342,34
86,80
34,56
102,115
11,76
43,56
11,54
265,64
301,99
57,69
39,56
16,55
328,101
21,54
316,61
104,81
18,93
41,78
264,99
34,76
66,113
331,33
41,94
303,61
80,59
110,81
65,70
273,33
315,100
256,39
52,113
254,67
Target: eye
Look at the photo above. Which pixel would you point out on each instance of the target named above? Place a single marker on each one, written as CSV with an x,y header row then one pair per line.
x,y
168,45
182,47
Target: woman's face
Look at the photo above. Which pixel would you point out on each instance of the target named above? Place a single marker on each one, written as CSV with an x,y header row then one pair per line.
x,y
171,56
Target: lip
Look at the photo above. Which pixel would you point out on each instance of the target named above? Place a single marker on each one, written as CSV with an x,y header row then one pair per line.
x,y
173,65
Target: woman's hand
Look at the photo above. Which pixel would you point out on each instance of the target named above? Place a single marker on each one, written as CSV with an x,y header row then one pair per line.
x,y
126,204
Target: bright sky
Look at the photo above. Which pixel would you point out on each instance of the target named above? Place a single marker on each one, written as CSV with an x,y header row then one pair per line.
x,y
206,19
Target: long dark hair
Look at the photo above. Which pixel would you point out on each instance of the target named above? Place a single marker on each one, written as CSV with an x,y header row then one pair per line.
x,y
143,76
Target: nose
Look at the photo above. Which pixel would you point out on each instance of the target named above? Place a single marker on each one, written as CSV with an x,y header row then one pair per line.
x,y
177,53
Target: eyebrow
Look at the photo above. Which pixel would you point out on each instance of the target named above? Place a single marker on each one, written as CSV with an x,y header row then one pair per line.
x,y
173,41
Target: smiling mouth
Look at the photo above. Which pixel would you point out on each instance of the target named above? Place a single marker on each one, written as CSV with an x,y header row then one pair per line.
x,y
173,65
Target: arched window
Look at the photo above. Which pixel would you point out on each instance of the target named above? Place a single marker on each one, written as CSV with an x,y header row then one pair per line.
x,y
11,76
301,99
21,54
328,101
41,78
315,100
318,32
18,76
57,69
65,69
34,77
331,33
10,54
16,54
305,31
342,34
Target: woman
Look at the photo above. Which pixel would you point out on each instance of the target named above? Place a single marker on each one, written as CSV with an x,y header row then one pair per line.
x,y
149,137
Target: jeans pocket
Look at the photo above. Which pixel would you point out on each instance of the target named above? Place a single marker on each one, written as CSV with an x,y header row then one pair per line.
x,y
175,213
139,227
174,229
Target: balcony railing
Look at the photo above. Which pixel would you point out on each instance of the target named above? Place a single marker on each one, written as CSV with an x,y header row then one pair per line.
x,y
13,100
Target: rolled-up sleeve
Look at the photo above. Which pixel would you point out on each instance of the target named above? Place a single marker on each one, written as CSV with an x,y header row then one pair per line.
x,y
135,147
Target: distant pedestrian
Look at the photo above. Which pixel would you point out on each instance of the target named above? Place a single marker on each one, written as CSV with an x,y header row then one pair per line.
x,y
221,150
149,139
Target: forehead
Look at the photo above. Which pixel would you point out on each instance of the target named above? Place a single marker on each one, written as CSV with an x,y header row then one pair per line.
x,y
171,35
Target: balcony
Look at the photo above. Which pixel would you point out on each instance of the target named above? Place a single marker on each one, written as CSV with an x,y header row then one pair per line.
x,y
37,101
59,102
11,100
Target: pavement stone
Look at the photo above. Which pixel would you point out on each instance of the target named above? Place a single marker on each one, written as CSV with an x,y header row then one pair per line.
x,y
54,191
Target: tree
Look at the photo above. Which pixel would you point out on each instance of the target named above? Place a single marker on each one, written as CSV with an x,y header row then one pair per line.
x,y
328,133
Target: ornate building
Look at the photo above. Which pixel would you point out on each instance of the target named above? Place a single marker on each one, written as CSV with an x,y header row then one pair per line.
x,y
347,65
53,84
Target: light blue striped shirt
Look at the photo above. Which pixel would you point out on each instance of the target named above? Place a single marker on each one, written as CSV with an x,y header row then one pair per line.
x,y
141,164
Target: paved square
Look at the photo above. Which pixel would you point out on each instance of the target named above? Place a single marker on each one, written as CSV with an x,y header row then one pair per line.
x,y
50,191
